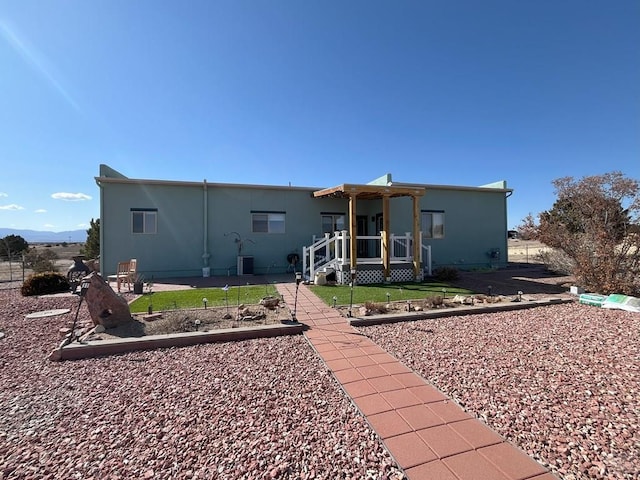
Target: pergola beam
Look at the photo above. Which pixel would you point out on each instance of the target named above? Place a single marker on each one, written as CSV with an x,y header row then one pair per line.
x,y
369,192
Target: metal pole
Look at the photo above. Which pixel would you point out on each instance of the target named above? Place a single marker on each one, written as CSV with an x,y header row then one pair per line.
x,y
353,280
295,301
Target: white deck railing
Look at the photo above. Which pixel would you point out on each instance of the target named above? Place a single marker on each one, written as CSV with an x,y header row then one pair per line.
x,y
334,251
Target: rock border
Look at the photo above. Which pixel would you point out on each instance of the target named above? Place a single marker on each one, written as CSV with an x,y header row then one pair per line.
x,y
454,312
96,348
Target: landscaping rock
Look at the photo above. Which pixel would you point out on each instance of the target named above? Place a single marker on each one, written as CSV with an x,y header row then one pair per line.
x,y
270,302
227,411
105,306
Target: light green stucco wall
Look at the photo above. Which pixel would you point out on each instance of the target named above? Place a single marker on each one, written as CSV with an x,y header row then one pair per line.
x,y
178,246
475,223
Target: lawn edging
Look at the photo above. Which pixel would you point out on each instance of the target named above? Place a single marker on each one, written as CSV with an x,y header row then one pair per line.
x,y
97,348
454,312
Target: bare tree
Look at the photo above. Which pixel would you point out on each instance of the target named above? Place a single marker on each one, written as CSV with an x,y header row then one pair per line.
x,y
594,222
527,230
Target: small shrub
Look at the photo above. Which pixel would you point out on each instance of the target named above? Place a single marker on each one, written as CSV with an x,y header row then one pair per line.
x,y
436,301
45,283
41,261
376,308
172,322
446,274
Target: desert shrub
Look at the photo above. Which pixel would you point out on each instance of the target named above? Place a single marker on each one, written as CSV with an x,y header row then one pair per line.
x,y
373,307
434,302
45,283
592,222
446,274
172,322
556,261
40,261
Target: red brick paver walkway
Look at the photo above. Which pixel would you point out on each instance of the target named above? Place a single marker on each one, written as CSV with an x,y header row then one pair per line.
x,y
428,434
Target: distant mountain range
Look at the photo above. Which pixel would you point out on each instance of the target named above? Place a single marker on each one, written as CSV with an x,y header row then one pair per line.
x,y
37,236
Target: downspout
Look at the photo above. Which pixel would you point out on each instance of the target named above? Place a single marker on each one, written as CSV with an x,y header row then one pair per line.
x,y
205,231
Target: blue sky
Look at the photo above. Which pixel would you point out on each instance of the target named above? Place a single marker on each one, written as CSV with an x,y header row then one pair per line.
x,y
312,93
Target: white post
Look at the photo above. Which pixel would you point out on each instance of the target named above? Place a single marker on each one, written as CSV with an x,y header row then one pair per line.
x,y
345,247
305,254
407,247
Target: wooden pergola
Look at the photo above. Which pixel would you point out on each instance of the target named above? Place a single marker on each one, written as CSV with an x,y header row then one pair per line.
x,y
376,192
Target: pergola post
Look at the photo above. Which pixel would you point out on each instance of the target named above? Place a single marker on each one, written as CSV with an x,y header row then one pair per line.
x,y
386,232
416,237
353,232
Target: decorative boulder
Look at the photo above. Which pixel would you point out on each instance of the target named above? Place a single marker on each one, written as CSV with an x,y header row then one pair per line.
x,y
105,306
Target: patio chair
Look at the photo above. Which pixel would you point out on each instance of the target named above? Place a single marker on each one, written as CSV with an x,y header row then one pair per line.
x,y
125,273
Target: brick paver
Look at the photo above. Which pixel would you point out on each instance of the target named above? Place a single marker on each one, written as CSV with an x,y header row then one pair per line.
x,y
429,435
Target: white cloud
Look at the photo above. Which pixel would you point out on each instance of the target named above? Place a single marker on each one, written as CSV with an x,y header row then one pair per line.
x,y
81,225
2,194
48,225
13,206
70,197
40,210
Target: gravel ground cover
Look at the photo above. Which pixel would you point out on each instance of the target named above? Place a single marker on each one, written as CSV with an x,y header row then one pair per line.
x,y
561,382
255,409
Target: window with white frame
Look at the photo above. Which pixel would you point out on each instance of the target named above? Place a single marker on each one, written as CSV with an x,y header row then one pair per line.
x,y
433,223
333,222
144,220
268,222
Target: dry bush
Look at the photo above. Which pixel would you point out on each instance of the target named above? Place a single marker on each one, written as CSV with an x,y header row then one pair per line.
x,y
45,283
171,322
436,301
593,222
376,308
556,261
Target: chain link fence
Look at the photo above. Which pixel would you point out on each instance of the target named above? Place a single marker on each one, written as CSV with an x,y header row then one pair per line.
x,y
14,273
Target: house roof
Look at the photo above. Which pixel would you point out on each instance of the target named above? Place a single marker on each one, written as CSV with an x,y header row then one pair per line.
x,y
369,191
378,188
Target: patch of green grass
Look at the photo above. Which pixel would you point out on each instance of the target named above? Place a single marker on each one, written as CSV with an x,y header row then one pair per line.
x,y
377,293
193,298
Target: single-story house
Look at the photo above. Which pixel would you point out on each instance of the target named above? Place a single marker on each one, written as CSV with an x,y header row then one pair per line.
x,y
379,231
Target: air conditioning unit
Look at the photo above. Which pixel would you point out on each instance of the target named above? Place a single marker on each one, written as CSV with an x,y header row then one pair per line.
x,y
245,265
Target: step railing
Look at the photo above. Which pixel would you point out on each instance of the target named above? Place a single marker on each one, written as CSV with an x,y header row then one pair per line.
x,y
334,251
